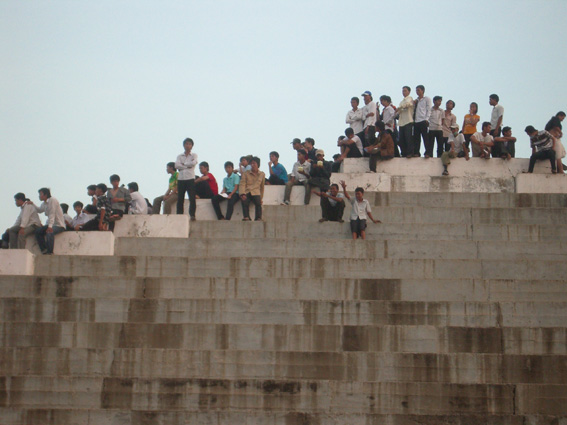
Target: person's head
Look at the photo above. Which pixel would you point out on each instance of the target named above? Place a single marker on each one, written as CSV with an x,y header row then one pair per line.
x,y
359,193
100,189
91,189
340,139
133,187
336,156
44,194
507,131
228,167
296,144
274,157
380,126
406,90
309,143
301,155
349,132
530,130
64,207
354,102
420,90
19,198
78,207
493,99
244,161
367,96
560,115
320,154
455,129
90,209
188,144
474,108
204,168
437,101
450,105
170,167
255,163
486,127
385,100
334,189
115,180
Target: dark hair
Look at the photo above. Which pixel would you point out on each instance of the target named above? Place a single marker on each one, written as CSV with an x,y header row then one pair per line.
x,y
228,164
453,102
302,152
90,209
256,160
310,140
341,137
530,129
91,187
476,106
334,184
114,178
359,189
171,165
380,125
407,87
335,156
188,140
386,98
420,87
102,187
560,114
204,164
505,129
133,186
349,131
436,98
277,155
45,191
64,207
485,124
355,98
243,157
296,140
78,204
495,97
20,196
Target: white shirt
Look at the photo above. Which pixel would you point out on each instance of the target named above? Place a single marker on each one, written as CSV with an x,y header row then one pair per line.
x,y
497,112
436,119
138,204
458,142
422,109
306,168
28,216
367,109
186,166
81,219
388,117
359,209
53,211
486,139
405,111
354,119
333,202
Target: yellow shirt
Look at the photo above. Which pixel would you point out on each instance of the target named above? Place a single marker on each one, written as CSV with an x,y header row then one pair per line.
x,y
470,124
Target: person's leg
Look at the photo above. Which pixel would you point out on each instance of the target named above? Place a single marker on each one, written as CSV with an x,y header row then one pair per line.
x,y
13,237
182,186
40,237
156,206
339,211
307,197
50,238
512,149
441,144
468,140
370,136
246,207
429,145
90,226
372,162
551,156
354,228
230,206
30,230
192,200
533,160
276,181
326,209
216,200
169,203
424,134
287,193
257,199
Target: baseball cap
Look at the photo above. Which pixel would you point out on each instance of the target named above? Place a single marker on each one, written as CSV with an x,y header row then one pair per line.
x,y
367,92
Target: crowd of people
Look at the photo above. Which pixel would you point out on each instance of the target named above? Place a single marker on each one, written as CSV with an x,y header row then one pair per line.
x,y
379,134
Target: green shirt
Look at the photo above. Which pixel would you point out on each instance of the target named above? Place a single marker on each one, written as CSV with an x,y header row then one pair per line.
x,y
173,182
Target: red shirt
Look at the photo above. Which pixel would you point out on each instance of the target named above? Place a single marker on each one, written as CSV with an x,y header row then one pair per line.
x,y
213,184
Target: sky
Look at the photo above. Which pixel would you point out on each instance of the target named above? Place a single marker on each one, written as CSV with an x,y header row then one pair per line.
x,y
89,89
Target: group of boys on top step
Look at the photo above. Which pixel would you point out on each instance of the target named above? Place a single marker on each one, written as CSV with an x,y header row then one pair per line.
x,y
379,135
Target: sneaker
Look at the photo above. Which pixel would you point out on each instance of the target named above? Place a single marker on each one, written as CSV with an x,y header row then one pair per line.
x,y
285,203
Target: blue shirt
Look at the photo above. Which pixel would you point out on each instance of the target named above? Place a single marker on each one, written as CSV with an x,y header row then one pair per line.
x,y
229,182
279,171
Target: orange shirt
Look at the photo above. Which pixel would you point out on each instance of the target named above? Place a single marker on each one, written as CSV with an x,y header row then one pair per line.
x,y
470,124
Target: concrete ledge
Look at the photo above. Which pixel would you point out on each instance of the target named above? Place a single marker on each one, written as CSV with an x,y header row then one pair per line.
x,y
84,243
155,226
541,183
16,262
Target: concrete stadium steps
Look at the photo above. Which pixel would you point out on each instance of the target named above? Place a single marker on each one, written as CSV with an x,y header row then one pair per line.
x,y
388,338
285,312
147,363
332,289
349,268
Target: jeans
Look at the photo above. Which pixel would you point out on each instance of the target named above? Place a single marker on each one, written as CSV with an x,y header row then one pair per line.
x,y
217,199
45,240
275,180
257,200
189,187
547,154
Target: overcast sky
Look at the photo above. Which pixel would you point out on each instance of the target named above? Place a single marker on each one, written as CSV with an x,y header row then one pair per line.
x,y
88,89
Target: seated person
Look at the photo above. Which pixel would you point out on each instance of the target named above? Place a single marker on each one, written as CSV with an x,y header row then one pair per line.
x,y
169,199
66,217
103,211
138,204
91,189
351,146
505,145
458,148
229,192
82,216
205,186
308,146
332,204
482,142
252,190
542,144
336,167
26,224
383,149
119,197
45,235
299,175
278,173
320,172
245,163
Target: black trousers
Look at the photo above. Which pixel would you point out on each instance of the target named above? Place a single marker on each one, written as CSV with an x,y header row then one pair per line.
x,y
257,200
431,137
547,154
275,180
419,132
332,213
406,138
186,186
217,199
203,190
499,149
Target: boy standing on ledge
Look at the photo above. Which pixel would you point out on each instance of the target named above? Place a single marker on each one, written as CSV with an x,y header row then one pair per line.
x,y
360,210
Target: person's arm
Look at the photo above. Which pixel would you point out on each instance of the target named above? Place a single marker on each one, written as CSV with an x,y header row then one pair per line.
x,y
233,191
499,123
427,109
262,181
474,140
243,186
270,168
372,218
179,164
490,142
343,185
202,179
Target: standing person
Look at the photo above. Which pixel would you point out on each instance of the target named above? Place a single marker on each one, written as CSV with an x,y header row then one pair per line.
x,y
206,186
496,116
435,129
229,192
422,113
26,224
278,173
119,196
388,117
405,123
505,145
482,142
469,123
449,119
457,149
299,175
332,204
252,190
542,143
354,117
138,205
359,212
91,189
55,224
555,128
186,163
369,113
169,199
